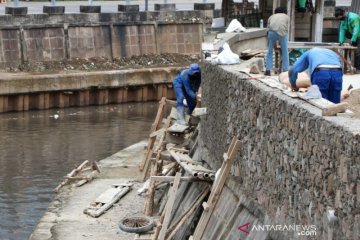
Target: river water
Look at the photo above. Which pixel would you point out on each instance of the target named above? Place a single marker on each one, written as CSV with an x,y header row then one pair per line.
x,y
38,148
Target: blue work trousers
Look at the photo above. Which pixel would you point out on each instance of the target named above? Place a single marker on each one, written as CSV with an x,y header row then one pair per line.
x,y
329,83
181,94
272,38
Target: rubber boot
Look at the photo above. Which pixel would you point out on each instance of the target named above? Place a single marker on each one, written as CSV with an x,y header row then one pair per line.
x,y
180,115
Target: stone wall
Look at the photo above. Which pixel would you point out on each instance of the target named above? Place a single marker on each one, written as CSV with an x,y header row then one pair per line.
x,y
57,38
293,166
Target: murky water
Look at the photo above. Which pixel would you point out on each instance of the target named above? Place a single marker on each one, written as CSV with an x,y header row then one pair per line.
x,y
38,148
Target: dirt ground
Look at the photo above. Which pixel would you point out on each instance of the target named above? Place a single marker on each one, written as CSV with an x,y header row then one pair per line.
x,y
101,63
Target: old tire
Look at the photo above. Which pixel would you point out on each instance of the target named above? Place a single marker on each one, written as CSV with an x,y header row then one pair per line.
x,y
136,224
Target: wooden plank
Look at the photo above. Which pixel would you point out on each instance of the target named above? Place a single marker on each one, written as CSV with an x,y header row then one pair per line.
x,y
177,128
171,179
229,158
104,202
333,110
169,206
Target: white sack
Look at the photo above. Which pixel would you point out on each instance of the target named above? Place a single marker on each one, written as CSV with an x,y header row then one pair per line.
x,y
235,26
227,56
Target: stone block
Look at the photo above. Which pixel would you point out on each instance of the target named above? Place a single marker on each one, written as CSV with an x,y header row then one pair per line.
x,y
90,9
128,8
331,3
54,9
204,6
165,7
16,10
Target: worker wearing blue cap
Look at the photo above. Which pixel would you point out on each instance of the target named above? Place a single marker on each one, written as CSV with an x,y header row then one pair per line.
x,y
186,84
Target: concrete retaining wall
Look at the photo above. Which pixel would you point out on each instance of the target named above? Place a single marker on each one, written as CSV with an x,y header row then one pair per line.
x,y
26,92
60,37
294,165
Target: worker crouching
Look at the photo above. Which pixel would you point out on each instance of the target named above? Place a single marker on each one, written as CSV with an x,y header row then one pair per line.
x,y
186,85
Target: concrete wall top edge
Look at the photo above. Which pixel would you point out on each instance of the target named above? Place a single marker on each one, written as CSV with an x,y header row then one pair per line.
x,y
82,80
120,17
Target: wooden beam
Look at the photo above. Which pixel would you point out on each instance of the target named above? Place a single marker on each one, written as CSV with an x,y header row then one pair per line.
x,y
171,179
169,206
154,127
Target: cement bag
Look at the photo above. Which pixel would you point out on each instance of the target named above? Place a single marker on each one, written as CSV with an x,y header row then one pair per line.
x,y
235,26
227,56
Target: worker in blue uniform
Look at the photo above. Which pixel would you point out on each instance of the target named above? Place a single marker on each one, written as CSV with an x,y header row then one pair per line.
x,y
186,84
349,28
324,66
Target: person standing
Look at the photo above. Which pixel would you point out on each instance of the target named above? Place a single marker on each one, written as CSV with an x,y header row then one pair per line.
x,y
278,25
349,28
186,84
324,66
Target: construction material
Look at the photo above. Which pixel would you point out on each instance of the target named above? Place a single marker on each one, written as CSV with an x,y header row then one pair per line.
x,y
107,199
334,109
328,108
169,206
71,174
187,214
191,167
177,128
219,183
151,141
171,179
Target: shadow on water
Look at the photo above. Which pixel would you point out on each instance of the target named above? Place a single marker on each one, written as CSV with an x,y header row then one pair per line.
x,y
38,148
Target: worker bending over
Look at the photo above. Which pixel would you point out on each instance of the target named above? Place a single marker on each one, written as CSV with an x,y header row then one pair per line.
x,y
186,84
349,28
325,71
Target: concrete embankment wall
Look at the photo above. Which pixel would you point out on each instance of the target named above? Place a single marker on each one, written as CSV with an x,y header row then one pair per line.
x,y
43,37
26,92
293,166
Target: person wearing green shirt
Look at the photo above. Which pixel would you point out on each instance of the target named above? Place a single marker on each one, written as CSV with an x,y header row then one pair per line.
x,y
349,28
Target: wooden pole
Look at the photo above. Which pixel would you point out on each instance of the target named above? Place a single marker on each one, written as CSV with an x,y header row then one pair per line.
x,y
169,206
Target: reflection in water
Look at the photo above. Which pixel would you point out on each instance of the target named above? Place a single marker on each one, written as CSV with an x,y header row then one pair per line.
x,y
38,148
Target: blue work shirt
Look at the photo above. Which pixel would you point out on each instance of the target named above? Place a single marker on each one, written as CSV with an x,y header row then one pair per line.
x,y
311,59
183,80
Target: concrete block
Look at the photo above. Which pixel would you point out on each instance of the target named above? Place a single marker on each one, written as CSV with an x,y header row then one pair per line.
x,y
165,7
16,10
54,10
90,9
128,8
204,6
